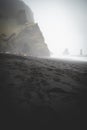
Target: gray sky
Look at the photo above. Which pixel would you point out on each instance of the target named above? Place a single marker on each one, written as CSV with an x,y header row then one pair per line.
x,y
63,23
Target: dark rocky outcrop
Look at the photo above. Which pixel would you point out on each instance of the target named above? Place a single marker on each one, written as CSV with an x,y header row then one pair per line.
x,y
17,10
19,34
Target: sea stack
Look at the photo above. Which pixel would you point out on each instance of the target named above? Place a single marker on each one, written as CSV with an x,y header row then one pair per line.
x,y
19,34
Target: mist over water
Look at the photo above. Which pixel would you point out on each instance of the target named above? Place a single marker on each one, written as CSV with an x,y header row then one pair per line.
x,y
70,58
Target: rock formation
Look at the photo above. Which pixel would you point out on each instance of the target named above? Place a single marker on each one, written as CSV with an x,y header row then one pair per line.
x,y
19,34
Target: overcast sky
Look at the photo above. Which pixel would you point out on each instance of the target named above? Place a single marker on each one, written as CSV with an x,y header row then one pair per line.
x,y
62,22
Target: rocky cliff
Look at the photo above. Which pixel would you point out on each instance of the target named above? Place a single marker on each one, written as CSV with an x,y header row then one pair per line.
x,y
19,34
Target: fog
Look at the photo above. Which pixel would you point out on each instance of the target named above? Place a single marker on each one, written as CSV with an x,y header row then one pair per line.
x,y
63,24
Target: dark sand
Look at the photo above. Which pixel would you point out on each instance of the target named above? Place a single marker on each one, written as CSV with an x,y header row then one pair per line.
x,y
37,92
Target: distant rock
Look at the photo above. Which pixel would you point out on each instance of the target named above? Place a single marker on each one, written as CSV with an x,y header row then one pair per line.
x,y
19,33
66,52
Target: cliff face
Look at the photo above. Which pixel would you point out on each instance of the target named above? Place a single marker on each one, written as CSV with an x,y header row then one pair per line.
x,y
19,34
